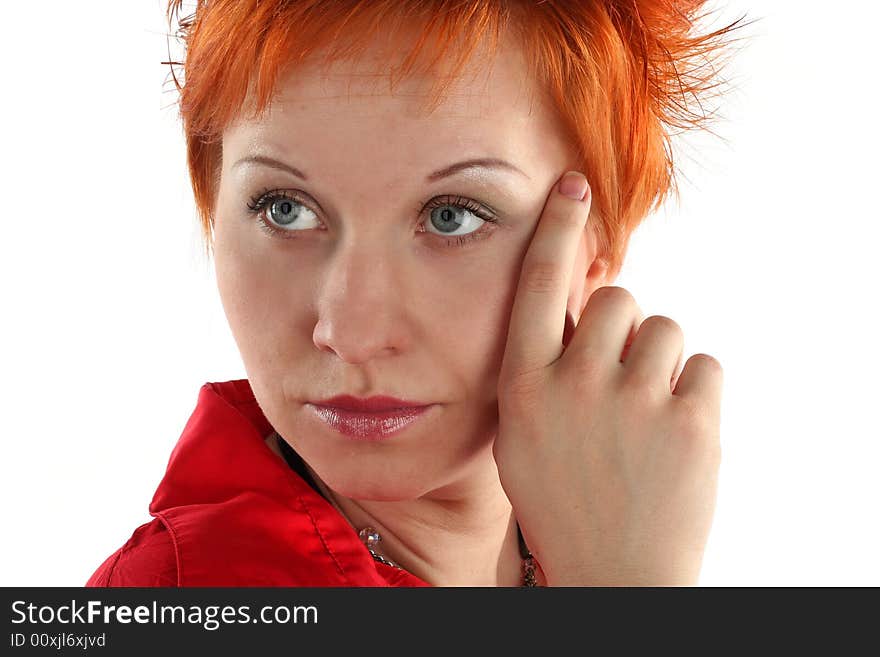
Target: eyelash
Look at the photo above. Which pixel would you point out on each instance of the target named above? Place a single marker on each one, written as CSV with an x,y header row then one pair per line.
x,y
266,197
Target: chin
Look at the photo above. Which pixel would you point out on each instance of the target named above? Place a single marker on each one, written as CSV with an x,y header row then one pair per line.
x,y
374,489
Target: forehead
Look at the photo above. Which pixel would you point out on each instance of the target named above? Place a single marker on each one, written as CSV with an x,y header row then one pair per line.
x,y
344,114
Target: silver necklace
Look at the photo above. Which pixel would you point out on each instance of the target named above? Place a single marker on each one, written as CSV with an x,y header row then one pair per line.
x,y
371,539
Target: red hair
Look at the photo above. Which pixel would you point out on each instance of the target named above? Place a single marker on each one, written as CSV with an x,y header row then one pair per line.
x,y
622,75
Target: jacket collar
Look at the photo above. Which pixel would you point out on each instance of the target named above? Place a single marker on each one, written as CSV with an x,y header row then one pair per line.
x,y
223,486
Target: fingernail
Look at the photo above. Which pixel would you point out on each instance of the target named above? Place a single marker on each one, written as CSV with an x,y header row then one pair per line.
x,y
573,185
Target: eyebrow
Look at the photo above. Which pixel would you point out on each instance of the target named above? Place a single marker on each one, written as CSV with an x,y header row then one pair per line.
x,y
477,163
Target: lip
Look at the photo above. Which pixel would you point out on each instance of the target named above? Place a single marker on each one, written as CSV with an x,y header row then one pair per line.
x,y
361,425
373,404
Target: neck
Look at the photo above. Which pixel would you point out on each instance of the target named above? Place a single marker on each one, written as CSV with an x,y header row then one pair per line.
x,y
460,535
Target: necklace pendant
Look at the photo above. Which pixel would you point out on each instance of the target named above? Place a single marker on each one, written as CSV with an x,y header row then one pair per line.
x,y
369,537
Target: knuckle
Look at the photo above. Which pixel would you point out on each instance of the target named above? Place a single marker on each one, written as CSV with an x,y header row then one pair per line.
x,y
614,295
663,323
708,362
521,392
614,292
571,218
541,276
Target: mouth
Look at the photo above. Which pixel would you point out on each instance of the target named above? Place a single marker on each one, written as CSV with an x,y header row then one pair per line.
x,y
369,425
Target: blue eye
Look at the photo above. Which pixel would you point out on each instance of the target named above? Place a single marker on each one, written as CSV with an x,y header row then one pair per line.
x,y
282,210
276,209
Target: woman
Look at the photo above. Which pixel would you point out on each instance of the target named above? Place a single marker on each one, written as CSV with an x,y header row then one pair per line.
x,y
443,387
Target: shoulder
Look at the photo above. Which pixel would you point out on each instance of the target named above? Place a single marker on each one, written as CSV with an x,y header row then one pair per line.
x,y
148,558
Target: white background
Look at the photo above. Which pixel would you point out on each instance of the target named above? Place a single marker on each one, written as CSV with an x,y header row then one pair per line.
x,y
111,319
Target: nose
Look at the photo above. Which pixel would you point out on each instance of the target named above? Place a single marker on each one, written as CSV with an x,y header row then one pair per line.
x,y
361,305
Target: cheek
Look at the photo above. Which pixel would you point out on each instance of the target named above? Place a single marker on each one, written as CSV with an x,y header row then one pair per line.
x,y
473,325
249,285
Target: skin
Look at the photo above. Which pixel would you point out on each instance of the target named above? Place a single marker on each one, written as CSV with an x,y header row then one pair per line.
x,y
353,304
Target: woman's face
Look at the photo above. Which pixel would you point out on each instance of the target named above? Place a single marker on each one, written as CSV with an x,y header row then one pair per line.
x,y
366,290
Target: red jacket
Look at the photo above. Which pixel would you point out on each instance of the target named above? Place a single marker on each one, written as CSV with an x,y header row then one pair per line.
x,y
230,512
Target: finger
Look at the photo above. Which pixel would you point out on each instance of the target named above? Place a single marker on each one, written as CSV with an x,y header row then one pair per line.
x,y
606,331
701,380
534,338
653,356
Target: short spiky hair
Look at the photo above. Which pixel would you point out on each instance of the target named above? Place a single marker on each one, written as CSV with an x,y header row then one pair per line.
x,y
622,74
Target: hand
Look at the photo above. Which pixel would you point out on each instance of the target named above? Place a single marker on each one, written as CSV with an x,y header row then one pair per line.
x,y
609,459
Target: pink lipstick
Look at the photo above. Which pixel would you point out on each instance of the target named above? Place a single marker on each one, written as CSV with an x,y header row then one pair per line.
x,y
371,418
